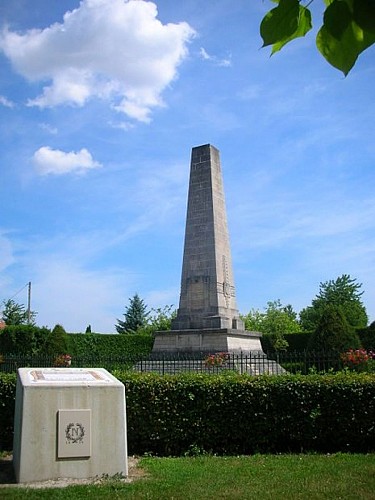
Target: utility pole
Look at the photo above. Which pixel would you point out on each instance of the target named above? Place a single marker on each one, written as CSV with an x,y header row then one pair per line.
x,y
29,303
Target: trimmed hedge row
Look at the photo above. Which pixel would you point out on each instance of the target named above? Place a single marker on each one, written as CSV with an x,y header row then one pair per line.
x,y
27,339
300,341
238,414
30,339
96,344
245,415
297,341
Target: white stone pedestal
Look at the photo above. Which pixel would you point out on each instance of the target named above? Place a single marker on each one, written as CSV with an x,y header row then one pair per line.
x,y
69,423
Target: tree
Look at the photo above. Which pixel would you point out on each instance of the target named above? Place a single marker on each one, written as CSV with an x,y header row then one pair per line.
x,y
344,292
25,339
348,28
333,331
276,321
135,316
15,314
160,319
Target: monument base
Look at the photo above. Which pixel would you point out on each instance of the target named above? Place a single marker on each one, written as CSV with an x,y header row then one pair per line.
x,y
207,340
177,351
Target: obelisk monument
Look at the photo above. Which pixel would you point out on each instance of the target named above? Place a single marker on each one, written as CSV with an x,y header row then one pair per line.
x,y
207,317
207,298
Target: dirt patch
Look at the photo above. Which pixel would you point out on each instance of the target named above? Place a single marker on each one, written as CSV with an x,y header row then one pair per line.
x,y
7,477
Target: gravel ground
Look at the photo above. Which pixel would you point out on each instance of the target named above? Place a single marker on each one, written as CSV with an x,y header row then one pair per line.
x,y
7,478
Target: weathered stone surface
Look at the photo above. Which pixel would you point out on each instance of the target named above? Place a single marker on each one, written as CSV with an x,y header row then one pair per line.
x,y
207,298
207,340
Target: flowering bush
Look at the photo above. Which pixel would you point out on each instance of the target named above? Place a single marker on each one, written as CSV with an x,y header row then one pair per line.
x,y
217,359
63,360
358,359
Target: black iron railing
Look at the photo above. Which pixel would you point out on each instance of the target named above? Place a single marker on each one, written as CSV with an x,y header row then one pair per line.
x,y
254,363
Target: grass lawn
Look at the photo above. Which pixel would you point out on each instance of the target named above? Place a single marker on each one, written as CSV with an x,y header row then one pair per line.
x,y
338,476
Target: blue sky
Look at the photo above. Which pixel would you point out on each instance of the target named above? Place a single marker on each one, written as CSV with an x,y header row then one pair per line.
x,y
101,102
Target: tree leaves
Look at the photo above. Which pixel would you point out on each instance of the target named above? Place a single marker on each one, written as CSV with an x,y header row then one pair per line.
x,y
337,18
135,316
364,14
348,29
340,40
287,21
344,292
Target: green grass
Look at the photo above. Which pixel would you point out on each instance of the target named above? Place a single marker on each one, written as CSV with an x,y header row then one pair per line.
x,y
338,476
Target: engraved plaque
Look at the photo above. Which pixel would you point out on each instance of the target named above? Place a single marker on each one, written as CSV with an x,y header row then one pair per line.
x,y
74,433
66,375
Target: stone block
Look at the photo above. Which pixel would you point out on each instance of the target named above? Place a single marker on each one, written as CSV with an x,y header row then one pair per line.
x,y
208,340
69,423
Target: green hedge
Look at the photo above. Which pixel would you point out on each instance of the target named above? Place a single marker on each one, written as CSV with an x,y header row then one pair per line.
x,y
29,339
297,341
238,414
300,341
7,402
96,344
244,415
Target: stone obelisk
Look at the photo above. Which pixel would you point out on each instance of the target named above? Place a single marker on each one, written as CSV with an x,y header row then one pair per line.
x,y
207,298
207,317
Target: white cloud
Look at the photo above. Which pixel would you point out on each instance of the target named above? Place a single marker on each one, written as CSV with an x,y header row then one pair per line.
x,y
48,128
122,125
108,49
6,102
54,161
204,55
214,59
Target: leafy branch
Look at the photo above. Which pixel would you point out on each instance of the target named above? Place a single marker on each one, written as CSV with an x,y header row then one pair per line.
x,y
348,28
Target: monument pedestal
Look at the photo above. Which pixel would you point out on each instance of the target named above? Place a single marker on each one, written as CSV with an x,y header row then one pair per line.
x,y
69,423
207,340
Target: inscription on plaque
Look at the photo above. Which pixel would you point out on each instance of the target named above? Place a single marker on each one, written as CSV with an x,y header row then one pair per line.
x,y
59,375
74,433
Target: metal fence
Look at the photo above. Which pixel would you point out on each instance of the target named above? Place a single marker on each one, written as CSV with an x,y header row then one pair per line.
x,y
253,363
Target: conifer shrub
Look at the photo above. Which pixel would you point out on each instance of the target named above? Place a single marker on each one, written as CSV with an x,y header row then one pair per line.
x,y
333,332
58,341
